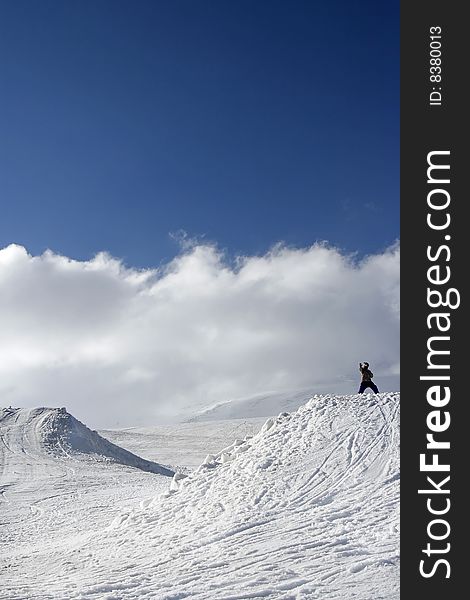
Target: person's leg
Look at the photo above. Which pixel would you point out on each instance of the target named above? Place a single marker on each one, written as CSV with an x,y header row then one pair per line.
x,y
362,387
375,389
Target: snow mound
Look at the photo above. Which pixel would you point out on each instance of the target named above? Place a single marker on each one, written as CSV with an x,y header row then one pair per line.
x,y
53,431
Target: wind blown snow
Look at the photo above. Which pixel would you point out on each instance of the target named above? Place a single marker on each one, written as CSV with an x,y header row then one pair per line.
x,y
307,508
149,345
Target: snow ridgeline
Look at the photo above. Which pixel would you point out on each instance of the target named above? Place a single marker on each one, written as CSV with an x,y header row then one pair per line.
x,y
53,431
259,405
307,508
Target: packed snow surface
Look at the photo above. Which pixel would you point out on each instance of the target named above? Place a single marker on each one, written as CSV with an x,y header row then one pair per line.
x,y
306,508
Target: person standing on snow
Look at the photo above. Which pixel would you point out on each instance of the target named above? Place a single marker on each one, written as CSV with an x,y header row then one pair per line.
x,y
367,378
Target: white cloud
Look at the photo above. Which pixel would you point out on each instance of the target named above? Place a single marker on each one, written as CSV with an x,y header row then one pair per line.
x,y
119,345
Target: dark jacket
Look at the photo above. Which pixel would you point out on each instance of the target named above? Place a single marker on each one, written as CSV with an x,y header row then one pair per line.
x,y
366,373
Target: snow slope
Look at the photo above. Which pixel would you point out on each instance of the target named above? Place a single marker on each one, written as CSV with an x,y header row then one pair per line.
x,y
260,405
307,508
58,479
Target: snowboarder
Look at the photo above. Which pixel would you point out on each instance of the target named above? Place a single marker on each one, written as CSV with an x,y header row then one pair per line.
x,y
367,378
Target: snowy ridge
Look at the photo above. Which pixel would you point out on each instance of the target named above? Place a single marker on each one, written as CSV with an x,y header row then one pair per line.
x,y
260,405
307,508
53,431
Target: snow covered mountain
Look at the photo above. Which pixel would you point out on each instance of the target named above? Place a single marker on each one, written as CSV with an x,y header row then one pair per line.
x,y
307,508
260,405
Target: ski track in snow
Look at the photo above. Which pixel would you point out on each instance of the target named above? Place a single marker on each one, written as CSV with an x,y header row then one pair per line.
x,y
307,508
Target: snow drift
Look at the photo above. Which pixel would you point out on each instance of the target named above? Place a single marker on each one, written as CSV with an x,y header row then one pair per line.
x,y
53,431
307,508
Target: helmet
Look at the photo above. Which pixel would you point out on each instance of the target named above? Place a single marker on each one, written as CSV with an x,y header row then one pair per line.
x,y
366,364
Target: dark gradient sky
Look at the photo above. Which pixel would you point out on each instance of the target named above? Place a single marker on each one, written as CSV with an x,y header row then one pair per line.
x,y
247,122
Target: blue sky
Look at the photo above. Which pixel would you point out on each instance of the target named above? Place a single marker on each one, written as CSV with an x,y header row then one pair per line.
x,y
245,122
